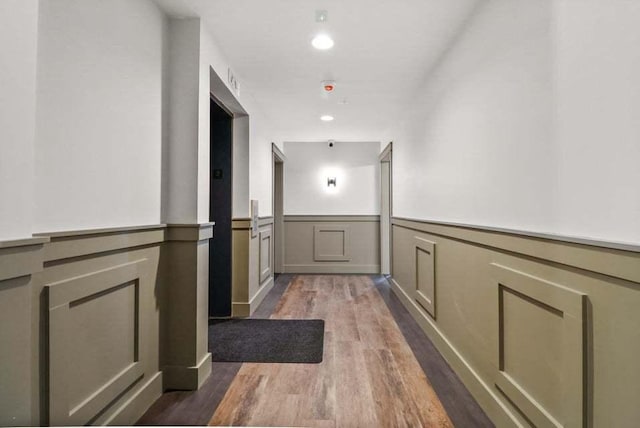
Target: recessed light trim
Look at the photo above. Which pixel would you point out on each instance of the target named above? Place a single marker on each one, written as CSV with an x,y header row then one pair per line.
x,y
326,118
322,42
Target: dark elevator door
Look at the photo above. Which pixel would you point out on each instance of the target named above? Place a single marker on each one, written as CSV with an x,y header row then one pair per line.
x,y
220,212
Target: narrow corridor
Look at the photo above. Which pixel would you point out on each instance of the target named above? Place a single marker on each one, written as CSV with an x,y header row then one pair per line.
x,y
371,374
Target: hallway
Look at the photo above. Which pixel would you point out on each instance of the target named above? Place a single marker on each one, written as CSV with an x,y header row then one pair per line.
x,y
373,372
451,185
368,377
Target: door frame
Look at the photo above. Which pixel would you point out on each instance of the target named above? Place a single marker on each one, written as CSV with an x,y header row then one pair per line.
x,y
221,95
386,210
277,206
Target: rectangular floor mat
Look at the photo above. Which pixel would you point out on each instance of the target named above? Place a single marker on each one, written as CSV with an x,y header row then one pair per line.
x,y
266,340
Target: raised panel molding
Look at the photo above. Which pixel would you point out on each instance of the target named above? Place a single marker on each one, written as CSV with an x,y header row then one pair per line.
x,y
265,259
548,320
67,295
331,243
585,377
252,275
425,293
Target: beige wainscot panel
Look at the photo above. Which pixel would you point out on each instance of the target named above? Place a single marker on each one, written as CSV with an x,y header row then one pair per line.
x,y
252,271
265,257
541,347
535,341
94,339
332,244
186,361
19,261
425,293
99,298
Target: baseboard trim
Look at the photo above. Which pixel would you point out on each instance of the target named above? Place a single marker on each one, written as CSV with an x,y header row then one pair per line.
x,y
263,290
488,400
245,309
133,409
187,378
333,268
240,309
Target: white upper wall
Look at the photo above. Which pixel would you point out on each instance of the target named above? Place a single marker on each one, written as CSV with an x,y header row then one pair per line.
x,y
99,114
18,47
597,70
180,165
252,145
261,162
355,167
477,147
530,122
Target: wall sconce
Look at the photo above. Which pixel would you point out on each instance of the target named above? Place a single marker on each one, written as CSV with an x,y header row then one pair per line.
x,y
331,181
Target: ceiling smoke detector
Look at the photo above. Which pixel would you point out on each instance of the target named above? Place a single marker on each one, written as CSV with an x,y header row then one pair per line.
x,y
328,85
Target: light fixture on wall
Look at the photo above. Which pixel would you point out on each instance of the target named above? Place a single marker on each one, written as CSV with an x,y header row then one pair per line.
x,y
326,118
328,177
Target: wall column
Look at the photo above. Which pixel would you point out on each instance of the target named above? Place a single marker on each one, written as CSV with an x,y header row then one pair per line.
x,y
186,360
19,261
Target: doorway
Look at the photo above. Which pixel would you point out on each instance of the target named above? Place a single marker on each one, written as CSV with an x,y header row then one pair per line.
x,y
385,210
278,208
220,200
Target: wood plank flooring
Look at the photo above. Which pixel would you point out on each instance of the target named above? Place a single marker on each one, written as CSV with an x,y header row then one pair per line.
x,y
197,407
369,376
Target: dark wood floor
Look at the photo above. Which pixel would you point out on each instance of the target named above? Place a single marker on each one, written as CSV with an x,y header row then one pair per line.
x,y
197,407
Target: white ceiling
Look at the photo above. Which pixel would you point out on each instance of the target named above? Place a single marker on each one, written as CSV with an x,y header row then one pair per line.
x,y
383,51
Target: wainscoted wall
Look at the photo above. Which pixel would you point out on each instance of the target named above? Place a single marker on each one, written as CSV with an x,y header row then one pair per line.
x,y
95,323
332,244
538,329
186,360
19,262
252,271
99,326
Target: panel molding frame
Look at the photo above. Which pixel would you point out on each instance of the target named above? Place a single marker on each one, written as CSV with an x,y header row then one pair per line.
x,y
265,272
488,399
318,229
571,304
428,247
60,295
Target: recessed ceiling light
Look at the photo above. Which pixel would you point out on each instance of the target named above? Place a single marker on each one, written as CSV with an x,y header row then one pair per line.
x,y
322,42
326,118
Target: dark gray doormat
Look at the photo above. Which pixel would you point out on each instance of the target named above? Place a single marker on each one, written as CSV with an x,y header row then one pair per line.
x,y
266,340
